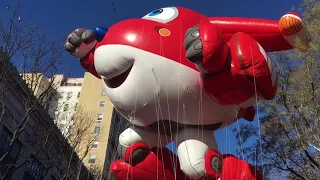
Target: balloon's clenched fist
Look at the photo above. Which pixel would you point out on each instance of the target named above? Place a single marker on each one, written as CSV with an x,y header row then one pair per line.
x,y
80,42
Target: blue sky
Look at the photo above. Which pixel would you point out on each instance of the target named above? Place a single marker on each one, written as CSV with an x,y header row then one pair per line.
x,y
59,17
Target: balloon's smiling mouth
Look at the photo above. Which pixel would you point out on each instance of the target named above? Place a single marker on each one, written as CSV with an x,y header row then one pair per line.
x,y
119,79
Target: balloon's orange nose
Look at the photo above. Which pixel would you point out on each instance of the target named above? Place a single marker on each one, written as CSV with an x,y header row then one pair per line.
x,y
164,32
290,24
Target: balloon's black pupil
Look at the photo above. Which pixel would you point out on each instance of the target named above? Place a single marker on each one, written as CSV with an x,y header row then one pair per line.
x,y
157,11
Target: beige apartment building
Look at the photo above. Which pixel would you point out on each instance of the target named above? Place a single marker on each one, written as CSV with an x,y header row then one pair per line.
x,y
87,95
94,99
39,84
84,95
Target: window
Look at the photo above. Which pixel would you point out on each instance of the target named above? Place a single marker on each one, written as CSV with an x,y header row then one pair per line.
x,y
75,105
78,94
5,138
35,169
15,149
69,95
63,117
46,106
102,103
92,159
95,144
100,117
103,92
97,130
66,106
50,97
53,178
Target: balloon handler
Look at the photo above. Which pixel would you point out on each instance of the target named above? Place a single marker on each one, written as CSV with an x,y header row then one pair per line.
x,y
178,75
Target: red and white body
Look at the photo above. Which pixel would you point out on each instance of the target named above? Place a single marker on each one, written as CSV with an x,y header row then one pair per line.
x,y
149,80
160,70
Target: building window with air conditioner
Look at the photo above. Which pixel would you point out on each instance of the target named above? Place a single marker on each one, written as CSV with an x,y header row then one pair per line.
x,y
65,107
92,158
95,144
69,95
102,103
99,117
97,129
103,92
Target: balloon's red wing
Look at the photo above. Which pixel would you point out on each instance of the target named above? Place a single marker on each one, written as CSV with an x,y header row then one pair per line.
x,y
238,169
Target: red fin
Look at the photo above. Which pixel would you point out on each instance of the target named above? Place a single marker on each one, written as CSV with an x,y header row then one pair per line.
x,y
238,169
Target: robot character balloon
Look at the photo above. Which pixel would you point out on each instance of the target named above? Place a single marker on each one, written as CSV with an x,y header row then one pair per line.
x,y
178,75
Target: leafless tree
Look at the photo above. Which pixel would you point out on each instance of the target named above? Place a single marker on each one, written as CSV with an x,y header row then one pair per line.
x,y
27,58
289,141
80,134
29,61
38,56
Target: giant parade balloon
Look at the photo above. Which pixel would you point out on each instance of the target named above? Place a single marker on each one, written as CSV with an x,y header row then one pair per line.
x,y
178,75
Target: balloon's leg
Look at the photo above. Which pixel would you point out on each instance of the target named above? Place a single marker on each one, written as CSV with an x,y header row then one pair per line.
x,y
135,144
145,158
160,164
198,154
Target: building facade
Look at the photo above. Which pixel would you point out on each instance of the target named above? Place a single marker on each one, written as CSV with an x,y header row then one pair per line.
x,y
65,106
41,85
31,145
88,94
94,99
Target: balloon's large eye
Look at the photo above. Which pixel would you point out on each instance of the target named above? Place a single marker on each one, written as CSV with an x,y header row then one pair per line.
x,y
156,12
163,15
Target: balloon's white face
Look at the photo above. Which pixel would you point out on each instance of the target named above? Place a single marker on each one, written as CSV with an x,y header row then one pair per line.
x,y
145,87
